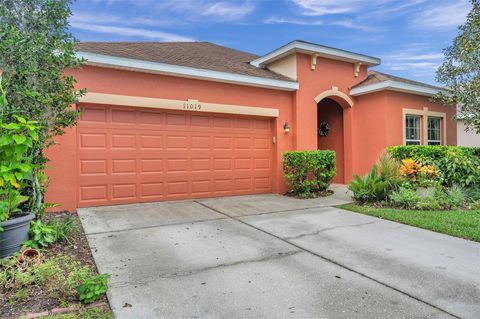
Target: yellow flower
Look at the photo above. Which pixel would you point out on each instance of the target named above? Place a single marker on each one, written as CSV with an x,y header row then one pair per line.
x,y
15,184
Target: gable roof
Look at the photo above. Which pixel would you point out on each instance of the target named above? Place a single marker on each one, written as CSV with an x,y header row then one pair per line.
x,y
199,55
377,81
313,48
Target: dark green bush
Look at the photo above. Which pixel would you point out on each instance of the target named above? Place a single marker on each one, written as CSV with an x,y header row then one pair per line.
x,y
309,172
457,165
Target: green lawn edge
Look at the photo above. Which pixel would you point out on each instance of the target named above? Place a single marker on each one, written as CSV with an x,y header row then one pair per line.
x,y
459,223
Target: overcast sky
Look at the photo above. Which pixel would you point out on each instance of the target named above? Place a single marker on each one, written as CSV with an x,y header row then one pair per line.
x,y
407,35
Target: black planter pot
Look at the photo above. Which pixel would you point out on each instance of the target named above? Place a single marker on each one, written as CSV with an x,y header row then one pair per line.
x,y
15,232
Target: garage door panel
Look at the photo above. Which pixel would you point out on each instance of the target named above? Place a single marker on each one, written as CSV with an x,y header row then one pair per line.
x,y
151,119
176,142
123,116
95,114
129,155
151,165
124,191
176,119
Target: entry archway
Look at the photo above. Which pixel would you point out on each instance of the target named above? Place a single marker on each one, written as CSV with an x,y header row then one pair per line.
x,y
334,110
336,95
330,133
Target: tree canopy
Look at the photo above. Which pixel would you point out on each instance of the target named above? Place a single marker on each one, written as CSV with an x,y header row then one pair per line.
x,y
460,71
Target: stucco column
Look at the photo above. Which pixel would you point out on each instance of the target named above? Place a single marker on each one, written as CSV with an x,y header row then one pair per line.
x,y
348,143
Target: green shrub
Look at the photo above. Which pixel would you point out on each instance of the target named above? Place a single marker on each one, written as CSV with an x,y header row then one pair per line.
x,y
428,203
93,288
43,235
473,193
405,198
458,165
453,197
474,205
390,170
309,172
372,187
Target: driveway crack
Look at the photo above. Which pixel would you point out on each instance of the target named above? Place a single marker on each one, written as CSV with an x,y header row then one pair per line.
x,y
185,273
321,230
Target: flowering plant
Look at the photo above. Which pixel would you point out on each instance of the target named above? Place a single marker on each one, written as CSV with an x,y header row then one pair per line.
x,y
419,174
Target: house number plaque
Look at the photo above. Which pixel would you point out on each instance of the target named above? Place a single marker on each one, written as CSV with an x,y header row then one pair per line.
x,y
192,105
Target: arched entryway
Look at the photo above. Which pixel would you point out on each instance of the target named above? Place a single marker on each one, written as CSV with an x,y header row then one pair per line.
x,y
331,133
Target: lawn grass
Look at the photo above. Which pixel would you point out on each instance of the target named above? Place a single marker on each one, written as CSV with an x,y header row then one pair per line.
x,y
458,223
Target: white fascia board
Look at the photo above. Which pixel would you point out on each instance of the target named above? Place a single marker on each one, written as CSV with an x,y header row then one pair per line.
x,y
183,71
323,51
394,86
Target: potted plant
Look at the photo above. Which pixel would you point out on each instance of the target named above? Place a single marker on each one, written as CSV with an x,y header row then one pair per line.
x,y
16,139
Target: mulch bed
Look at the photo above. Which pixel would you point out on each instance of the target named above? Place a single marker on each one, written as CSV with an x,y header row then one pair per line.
x,y
38,300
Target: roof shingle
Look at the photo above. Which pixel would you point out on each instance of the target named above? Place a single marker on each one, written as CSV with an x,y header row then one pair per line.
x,y
200,55
376,77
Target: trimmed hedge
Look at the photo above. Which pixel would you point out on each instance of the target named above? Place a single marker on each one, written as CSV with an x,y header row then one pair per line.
x,y
309,172
458,165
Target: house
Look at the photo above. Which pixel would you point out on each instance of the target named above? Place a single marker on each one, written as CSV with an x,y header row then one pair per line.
x,y
164,121
466,137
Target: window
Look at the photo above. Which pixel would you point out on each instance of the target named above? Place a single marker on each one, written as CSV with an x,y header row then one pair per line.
x,y
434,135
412,130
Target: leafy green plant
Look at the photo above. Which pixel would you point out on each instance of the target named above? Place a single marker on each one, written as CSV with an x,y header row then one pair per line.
x,y
93,288
451,198
473,193
309,172
21,294
405,198
16,140
372,187
43,234
475,205
428,203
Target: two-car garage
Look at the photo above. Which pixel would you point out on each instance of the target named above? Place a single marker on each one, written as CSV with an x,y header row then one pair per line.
x,y
133,154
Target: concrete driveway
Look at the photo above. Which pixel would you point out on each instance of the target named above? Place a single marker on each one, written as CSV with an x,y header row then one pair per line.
x,y
270,256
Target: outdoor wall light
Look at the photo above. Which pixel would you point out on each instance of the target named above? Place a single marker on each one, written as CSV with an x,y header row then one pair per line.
x,y
286,128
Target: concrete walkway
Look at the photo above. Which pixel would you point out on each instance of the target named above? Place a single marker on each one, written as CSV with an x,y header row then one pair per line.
x,y
270,256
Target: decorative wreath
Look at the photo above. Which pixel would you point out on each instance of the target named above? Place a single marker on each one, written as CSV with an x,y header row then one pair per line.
x,y
323,129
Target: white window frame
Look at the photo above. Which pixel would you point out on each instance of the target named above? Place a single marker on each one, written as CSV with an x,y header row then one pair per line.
x,y
413,141
439,141
424,114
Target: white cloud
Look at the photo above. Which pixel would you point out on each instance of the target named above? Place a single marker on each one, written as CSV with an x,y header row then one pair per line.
x,y
441,15
130,32
324,7
416,58
228,11
220,10
345,23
